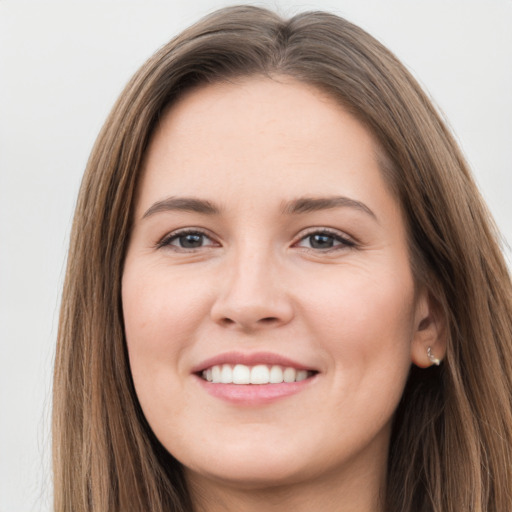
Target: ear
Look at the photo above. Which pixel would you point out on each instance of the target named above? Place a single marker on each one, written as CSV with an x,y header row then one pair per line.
x,y
428,345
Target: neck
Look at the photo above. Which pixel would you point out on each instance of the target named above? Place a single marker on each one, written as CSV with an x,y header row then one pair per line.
x,y
359,490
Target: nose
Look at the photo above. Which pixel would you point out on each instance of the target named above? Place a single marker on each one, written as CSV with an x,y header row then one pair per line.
x,y
252,295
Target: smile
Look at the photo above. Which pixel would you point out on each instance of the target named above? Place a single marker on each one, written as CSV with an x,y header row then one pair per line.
x,y
257,374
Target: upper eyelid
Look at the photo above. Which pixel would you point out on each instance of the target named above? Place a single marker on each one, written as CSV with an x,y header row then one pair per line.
x,y
184,231
344,243
324,230
300,236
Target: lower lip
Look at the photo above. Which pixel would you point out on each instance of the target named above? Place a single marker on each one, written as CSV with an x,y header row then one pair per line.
x,y
254,394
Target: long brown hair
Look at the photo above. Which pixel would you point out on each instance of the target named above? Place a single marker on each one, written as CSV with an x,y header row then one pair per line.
x,y
451,447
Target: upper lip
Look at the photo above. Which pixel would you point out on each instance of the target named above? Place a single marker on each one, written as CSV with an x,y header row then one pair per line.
x,y
250,359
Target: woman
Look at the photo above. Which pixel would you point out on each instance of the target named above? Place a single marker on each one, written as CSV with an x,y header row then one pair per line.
x,y
283,289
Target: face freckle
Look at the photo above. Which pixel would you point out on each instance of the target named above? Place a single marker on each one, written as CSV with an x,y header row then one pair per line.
x,y
265,236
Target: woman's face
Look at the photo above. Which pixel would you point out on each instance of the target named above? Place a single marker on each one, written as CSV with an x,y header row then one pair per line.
x,y
267,246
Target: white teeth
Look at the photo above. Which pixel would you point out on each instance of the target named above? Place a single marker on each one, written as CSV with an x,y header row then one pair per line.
x,y
289,374
276,375
241,374
226,374
301,375
258,374
216,370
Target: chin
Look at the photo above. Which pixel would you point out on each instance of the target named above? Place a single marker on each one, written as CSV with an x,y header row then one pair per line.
x,y
249,463
260,474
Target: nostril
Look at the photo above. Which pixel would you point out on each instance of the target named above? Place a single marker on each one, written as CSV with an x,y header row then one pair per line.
x,y
268,320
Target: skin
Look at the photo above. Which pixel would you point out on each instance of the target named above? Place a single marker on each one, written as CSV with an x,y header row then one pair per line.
x,y
256,281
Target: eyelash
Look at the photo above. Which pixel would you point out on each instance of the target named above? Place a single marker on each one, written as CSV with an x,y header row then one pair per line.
x,y
344,242
176,235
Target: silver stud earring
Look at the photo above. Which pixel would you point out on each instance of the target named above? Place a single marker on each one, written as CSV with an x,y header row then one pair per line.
x,y
432,358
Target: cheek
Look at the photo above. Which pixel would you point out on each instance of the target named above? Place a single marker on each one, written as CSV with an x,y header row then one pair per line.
x,y
356,297
365,319
158,310
160,318
367,331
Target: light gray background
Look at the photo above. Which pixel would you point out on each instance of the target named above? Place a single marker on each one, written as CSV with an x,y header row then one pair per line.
x,y
62,64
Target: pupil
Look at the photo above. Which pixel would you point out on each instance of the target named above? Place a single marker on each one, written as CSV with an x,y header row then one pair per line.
x,y
191,241
321,241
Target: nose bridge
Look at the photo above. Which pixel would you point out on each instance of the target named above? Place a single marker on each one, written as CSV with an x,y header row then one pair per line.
x,y
252,294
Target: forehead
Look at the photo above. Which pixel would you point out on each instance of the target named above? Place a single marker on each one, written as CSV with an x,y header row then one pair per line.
x,y
244,107
259,136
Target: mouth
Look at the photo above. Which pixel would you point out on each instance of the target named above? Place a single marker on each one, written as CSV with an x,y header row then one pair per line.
x,y
258,374
253,379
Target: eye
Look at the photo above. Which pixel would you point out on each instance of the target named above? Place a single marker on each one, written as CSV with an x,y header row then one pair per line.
x,y
324,240
187,240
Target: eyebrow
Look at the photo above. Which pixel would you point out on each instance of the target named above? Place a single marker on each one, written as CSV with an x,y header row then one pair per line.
x,y
314,204
185,204
296,206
